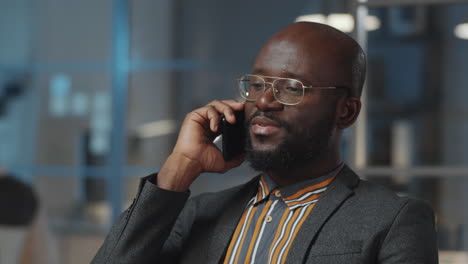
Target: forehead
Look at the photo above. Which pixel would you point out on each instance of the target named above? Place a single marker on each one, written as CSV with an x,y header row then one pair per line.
x,y
279,58
315,61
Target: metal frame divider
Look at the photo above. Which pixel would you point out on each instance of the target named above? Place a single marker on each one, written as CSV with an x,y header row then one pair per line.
x,y
120,62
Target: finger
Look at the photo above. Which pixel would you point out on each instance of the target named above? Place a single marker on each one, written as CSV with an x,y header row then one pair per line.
x,y
227,108
236,105
207,115
214,118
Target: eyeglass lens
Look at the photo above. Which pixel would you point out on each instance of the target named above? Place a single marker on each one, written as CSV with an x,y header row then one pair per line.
x,y
288,91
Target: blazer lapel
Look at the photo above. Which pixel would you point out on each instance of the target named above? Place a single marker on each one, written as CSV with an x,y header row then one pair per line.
x,y
340,189
228,221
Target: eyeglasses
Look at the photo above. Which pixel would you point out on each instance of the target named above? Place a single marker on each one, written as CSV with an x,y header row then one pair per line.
x,y
286,91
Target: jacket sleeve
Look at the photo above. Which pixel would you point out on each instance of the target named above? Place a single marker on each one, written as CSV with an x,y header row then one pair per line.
x,y
412,237
142,230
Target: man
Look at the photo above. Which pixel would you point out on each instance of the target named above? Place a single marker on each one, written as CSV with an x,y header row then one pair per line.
x,y
306,206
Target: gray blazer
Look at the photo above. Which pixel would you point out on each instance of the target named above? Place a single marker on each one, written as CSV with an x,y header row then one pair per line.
x,y
353,222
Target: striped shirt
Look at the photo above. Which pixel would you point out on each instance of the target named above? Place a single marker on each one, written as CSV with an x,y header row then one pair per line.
x,y
272,219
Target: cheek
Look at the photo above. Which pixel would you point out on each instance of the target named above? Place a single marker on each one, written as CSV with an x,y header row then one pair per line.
x,y
249,109
311,116
297,118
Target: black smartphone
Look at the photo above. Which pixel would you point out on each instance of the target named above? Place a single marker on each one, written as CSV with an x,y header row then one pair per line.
x,y
233,139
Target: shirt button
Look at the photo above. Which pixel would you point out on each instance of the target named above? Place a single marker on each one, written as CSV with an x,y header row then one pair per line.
x,y
268,219
278,194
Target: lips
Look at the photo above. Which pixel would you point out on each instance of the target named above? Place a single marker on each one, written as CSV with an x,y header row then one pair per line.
x,y
264,126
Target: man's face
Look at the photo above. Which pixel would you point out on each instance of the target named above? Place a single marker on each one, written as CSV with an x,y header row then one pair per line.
x,y
284,136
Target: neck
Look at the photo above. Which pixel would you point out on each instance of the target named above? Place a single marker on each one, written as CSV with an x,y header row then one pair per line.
x,y
312,170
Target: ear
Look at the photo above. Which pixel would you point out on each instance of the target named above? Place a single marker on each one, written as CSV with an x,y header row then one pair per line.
x,y
347,112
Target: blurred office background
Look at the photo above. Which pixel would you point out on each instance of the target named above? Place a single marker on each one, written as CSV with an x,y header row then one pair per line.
x,y
92,94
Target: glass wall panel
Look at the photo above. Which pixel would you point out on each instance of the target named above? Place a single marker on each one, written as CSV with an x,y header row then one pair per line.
x,y
416,114
71,30
152,29
151,123
74,119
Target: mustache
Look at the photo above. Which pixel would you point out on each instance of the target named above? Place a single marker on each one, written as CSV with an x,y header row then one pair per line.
x,y
268,115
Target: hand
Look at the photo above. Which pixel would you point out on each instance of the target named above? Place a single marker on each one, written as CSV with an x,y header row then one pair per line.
x,y
195,152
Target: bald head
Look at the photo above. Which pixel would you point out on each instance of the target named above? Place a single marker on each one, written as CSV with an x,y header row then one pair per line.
x,y
320,54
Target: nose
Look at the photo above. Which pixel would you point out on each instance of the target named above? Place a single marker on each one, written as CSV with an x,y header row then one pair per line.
x,y
267,101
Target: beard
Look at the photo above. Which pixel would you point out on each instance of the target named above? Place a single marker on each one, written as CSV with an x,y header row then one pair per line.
x,y
299,148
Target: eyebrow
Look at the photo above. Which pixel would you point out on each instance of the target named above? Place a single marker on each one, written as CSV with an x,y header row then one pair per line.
x,y
295,76
287,74
258,71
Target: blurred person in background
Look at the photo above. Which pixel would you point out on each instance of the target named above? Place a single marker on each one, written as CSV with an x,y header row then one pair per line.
x,y
18,210
306,206
24,234
18,202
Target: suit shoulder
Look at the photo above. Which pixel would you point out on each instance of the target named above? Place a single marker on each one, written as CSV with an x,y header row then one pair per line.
x,y
376,195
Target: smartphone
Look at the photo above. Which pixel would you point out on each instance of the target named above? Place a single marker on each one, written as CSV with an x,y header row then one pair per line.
x,y
233,136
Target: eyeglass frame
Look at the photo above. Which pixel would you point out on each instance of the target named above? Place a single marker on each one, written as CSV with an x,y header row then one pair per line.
x,y
280,78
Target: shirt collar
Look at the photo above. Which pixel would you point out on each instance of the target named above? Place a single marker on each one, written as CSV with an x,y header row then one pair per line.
x,y
298,194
